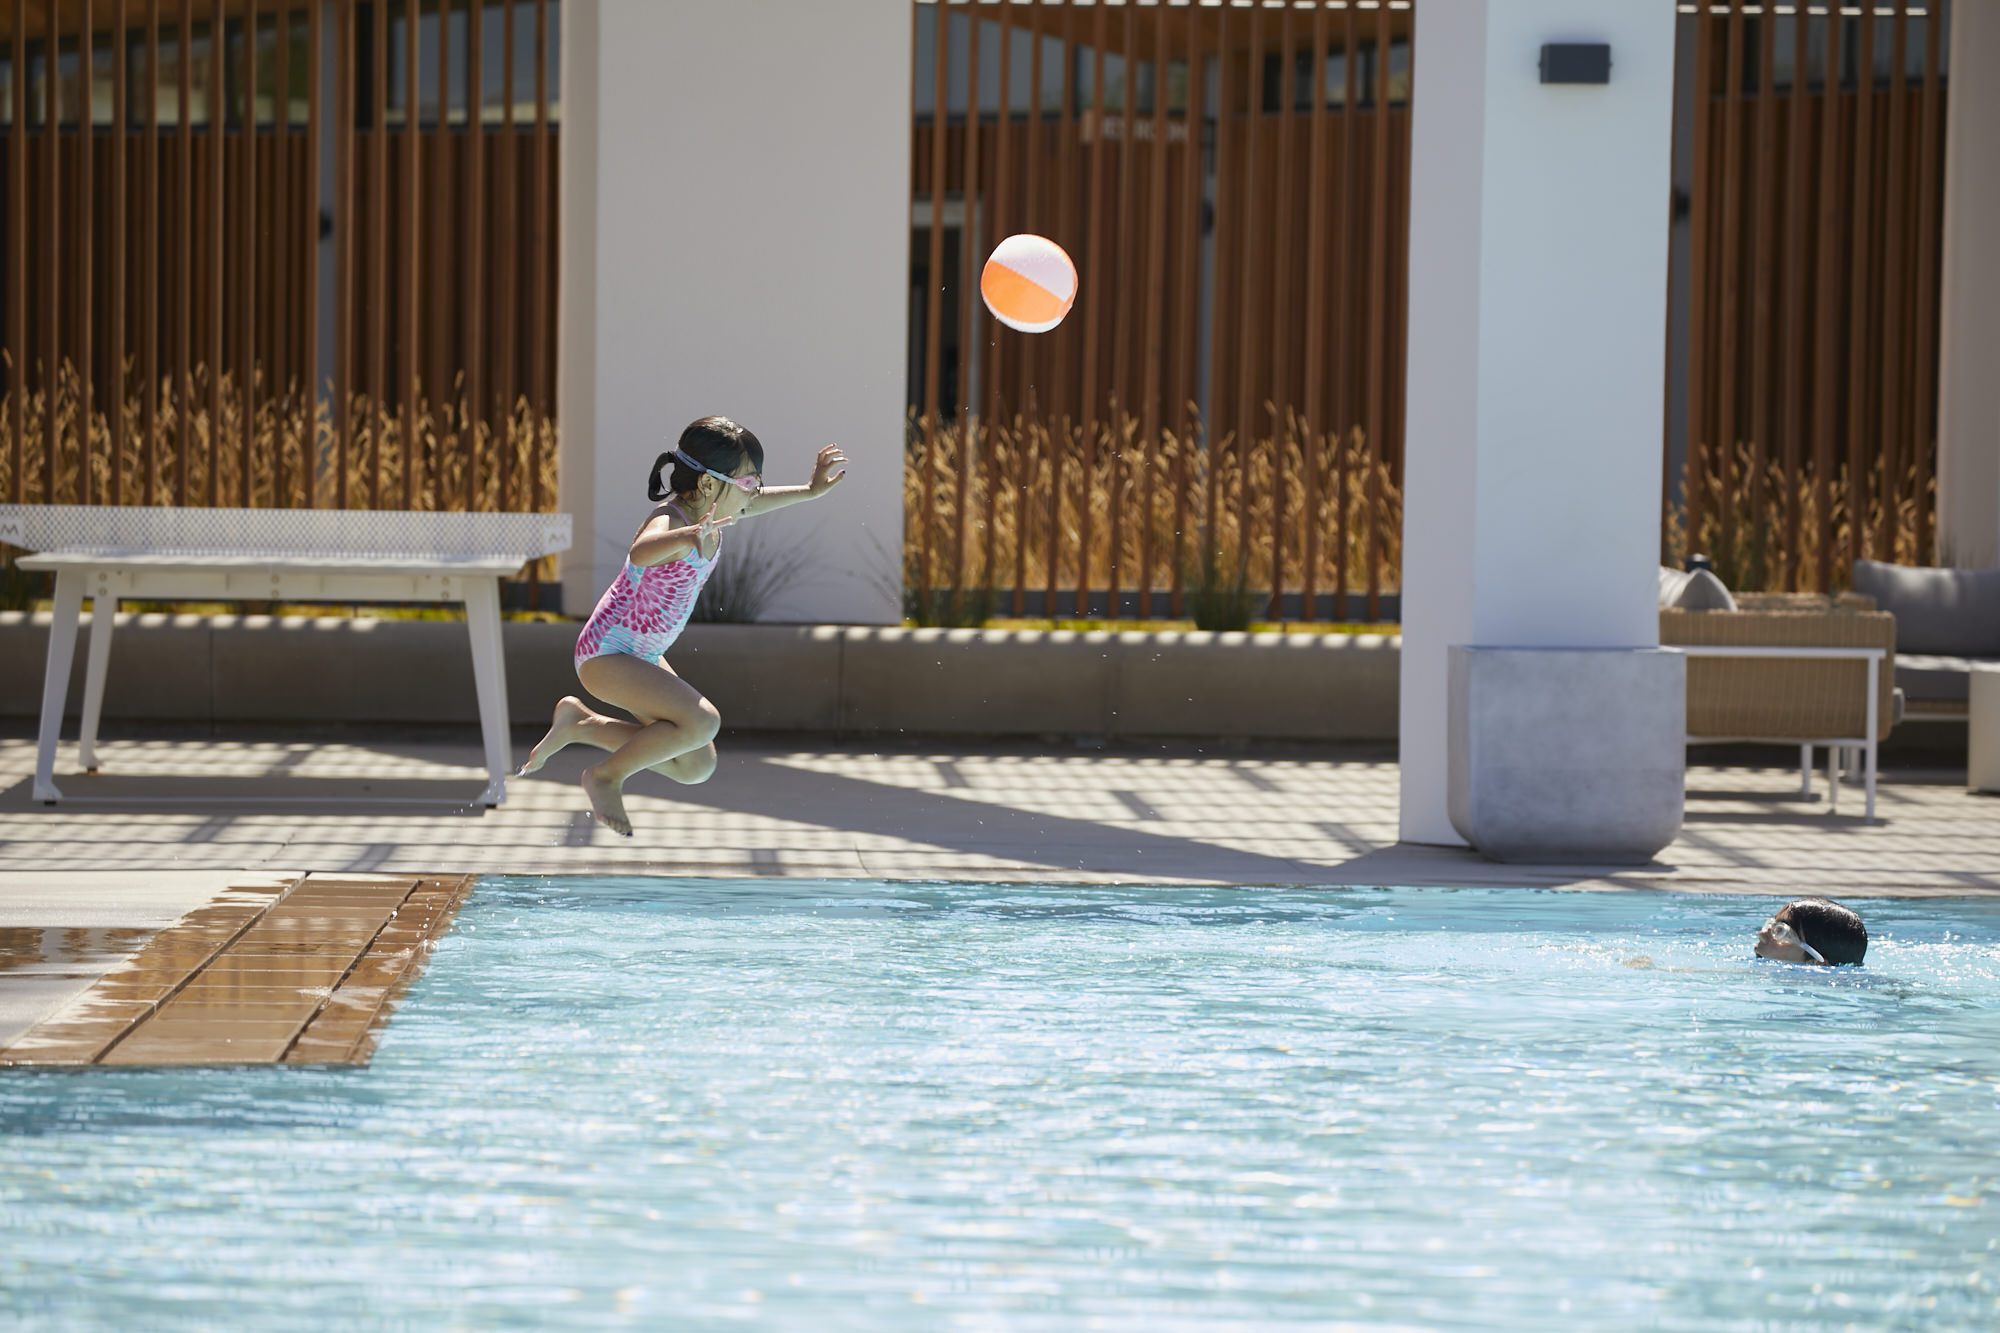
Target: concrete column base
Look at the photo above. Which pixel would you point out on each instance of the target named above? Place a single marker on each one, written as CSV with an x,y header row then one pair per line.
x,y
1564,755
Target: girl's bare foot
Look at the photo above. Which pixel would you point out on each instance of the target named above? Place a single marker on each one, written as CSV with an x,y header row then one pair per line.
x,y
607,801
571,714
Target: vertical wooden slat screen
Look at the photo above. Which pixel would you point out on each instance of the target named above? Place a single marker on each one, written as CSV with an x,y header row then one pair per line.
x,y
17,259
1199,424
1812,282
165,268
86,236
410,209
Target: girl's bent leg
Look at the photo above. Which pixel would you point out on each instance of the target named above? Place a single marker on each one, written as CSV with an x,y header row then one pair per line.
x,y
577,724
686,723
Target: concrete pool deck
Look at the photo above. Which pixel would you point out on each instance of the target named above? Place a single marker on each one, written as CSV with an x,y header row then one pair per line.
x,y
167,818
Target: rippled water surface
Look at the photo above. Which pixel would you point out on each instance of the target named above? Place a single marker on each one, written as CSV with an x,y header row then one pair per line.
x,y
843,1106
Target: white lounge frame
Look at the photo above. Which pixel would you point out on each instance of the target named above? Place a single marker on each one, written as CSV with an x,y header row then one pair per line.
x,y
1840,749
107,554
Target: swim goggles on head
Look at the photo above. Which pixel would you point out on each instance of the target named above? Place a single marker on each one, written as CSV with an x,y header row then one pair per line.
x,y
1787,934
749,485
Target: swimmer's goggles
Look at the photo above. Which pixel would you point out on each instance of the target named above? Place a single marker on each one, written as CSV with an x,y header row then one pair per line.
x,y
749,485
1788,935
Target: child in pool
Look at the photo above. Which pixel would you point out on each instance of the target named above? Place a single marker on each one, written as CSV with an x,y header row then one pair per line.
x,y
1813,930
717,478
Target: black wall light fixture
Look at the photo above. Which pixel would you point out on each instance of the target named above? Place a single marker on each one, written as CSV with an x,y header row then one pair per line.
x,y
1576,62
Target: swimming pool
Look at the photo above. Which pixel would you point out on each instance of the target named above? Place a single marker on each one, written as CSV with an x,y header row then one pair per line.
x,y
659,1103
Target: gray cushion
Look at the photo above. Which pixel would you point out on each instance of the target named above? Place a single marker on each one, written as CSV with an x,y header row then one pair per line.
x,y
1704,592
1933,678
1949,612
1698,590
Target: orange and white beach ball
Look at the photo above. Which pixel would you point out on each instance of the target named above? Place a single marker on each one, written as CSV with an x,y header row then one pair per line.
x,y
1029,283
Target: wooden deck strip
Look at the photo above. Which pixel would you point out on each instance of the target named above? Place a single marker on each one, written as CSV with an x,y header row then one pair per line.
x,y
301,974
346,1028
124,997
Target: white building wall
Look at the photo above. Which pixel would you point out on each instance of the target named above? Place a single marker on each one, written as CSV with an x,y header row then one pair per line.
x,y
1968,475
735,240
1538,284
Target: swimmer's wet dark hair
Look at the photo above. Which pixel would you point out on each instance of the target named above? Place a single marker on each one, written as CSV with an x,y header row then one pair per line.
x,y
1836,931
715,442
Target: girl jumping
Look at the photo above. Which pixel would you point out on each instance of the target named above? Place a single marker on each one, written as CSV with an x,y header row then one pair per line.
x,y
717,478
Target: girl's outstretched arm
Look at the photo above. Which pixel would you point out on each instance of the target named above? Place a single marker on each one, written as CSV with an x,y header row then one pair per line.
x,y
828,469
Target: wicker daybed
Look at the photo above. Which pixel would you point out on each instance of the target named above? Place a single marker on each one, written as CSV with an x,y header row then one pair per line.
x,y
1774,671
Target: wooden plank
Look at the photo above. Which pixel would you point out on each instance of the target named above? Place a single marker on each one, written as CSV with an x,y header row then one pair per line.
x,y
968,424
934,301
991,412
1117,408
1861,313
1156,294
507,263
50,257
1923,383
538,325
218,115
1309,404
149,231
1093,272
1378,301
1796,241
344,224
408,276
1187,300
1728,434
378,252
436,396
1024,401
1225,224
1763,221
1891,421
1277,366
246,185
282,294
1700,349
1825,315
1246,340
475,219
1345,416
309,265
183,244
1062,337
86,232
115,254
17,259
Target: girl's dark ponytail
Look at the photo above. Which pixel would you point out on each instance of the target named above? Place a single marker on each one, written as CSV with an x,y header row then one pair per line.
x,y
656,490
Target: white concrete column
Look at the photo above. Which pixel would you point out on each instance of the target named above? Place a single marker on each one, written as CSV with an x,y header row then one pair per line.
x,y
1968,471
735,240
1539,219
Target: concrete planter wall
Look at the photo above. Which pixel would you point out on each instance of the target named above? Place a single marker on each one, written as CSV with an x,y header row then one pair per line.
x,y
827,678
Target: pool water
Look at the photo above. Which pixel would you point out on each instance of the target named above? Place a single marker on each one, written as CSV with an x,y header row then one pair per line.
x,y
666,1104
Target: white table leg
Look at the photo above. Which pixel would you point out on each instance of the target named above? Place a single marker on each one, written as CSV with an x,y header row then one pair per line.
x,y
103,612
1805,771
489,673
1833,779
1874,719
55,681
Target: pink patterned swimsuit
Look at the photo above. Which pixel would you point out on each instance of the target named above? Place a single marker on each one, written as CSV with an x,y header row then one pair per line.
x,y
645,609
